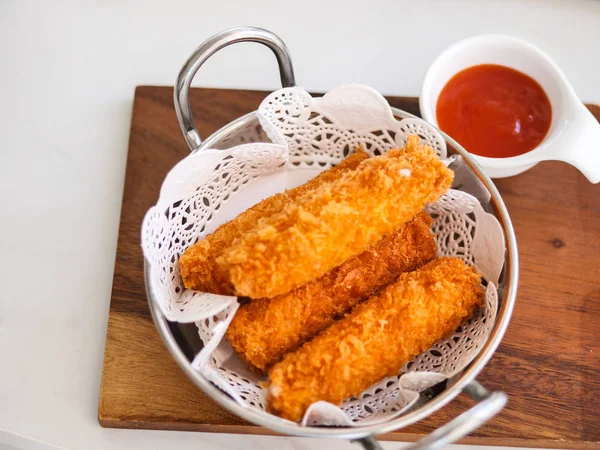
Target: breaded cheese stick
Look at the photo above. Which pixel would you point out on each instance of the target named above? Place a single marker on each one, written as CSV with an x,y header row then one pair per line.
x,y
325,227
264,330
377,338
197,265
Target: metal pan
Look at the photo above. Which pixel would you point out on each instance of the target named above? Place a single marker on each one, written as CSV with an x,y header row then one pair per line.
x,y
182,340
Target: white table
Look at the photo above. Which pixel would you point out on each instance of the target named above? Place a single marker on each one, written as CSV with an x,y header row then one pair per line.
x,y
68,72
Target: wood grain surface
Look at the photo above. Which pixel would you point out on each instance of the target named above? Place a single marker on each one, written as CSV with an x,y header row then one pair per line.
x,y
548,362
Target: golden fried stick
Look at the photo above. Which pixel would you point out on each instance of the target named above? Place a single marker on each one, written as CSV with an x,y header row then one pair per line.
x,y
377,338
325,227
264,330
198,268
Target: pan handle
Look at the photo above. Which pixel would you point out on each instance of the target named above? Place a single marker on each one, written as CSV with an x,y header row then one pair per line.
x,y
489,405
209,48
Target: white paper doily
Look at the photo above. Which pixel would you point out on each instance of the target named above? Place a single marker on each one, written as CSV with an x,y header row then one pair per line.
x,y
309,135
325,130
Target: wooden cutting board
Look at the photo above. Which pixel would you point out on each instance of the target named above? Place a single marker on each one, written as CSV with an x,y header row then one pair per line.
x,y
548,362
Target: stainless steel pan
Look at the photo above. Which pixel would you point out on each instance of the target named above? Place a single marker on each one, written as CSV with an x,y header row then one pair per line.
x,y
182,340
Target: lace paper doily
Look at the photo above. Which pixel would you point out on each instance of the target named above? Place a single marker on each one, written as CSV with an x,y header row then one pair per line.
x,y
309,135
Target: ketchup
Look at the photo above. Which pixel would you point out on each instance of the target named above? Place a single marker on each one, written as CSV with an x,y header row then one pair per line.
x,y
494,111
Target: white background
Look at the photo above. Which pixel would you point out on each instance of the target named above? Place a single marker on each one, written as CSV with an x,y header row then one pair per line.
x,y
67,77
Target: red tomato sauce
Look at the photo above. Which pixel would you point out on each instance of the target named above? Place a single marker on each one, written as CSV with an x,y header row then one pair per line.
x,y
494,111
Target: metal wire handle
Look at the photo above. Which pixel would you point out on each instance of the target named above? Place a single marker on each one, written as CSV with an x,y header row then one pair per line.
x,y
489,405
209,48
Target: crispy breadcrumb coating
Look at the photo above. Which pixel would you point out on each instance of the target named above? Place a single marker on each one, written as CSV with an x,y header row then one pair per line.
x,y
377,338
264,330
326,226
197,265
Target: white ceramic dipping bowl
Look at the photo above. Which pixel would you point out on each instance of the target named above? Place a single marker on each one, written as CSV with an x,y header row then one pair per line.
x,y
574,134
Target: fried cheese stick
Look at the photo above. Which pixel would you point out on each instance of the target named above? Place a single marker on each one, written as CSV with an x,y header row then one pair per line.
x,y
264,330
325,227
197,265
377,338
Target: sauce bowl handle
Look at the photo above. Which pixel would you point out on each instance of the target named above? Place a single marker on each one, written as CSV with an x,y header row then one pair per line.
x,y
579,143
209,48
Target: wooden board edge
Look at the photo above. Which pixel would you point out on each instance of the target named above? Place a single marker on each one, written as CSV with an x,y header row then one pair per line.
x,y
594,109
500,442
105,352
390,437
